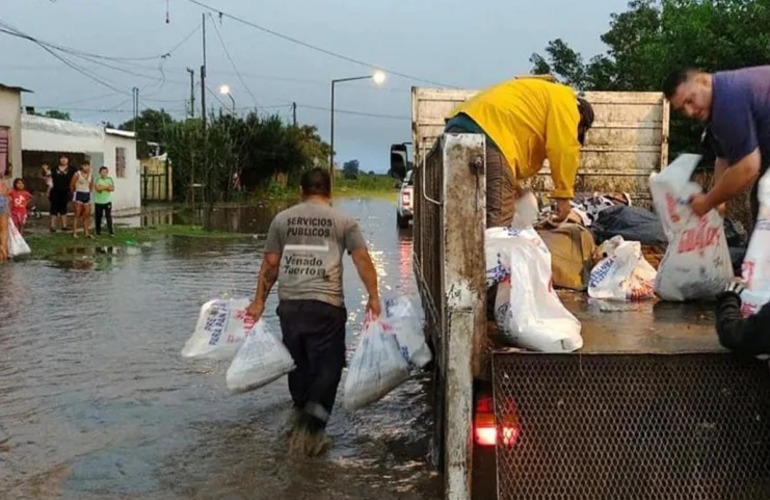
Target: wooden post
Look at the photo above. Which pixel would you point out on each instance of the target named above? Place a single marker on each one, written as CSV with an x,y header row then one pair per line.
x,y
464,222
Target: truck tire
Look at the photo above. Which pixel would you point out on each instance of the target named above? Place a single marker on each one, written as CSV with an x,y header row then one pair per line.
x,y
402,222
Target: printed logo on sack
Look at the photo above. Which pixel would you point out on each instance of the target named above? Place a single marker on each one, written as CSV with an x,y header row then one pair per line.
x,y
748,309
600,273
641,292
248,321
699,238
672,204
747,271
216,322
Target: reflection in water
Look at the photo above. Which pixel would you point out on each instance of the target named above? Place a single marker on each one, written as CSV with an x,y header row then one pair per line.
x,y
95,401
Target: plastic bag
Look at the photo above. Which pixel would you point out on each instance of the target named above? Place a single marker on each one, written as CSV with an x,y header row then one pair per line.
x,y
376,369
756,264
624,274
527,309
261,358
697,262
16,244
222,326
404,319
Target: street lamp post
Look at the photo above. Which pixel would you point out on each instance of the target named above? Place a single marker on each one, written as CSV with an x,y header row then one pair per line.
x,y
378,77
225,90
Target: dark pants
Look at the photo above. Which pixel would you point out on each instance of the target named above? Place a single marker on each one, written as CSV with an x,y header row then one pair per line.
x,y
103,209
314,333
501,185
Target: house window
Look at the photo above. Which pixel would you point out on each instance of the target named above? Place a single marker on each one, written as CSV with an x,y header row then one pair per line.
x,y
120,162
5,151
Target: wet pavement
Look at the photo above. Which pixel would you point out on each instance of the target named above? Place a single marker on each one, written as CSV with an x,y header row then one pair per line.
x,y
96,402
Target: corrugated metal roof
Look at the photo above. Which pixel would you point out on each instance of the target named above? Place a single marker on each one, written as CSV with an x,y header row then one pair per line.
x,y
60,127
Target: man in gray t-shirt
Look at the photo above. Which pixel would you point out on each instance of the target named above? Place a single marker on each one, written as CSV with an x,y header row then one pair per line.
x,y
303,252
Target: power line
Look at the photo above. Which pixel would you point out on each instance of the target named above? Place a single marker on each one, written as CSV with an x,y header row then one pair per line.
x,y
72,51
227,53
96,59
311,46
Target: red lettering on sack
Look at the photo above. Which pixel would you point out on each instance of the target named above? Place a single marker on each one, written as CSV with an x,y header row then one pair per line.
x,y
248,321
747,270
698,238
748,309
671,207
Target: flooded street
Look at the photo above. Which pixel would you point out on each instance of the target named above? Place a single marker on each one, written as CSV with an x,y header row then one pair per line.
x,y
96,401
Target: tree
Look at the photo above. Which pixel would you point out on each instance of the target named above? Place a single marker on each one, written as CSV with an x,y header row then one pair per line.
x,y
151,126
56,114
350,169
261,150
655,36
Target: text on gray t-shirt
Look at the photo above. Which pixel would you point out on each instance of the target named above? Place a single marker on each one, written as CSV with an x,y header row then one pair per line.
x,y
311,238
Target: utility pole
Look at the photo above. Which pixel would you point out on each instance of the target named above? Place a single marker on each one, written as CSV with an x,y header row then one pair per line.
x,y
294,112
135,96
203,74
192,92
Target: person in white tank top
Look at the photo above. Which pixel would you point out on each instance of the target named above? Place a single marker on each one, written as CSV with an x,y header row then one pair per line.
x,y
82,185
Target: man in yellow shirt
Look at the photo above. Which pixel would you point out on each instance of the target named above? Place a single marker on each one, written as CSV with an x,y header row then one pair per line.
x,y
526,120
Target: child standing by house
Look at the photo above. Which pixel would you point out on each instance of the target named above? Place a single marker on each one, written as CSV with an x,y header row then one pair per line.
x,y
104,186
4,212
20,199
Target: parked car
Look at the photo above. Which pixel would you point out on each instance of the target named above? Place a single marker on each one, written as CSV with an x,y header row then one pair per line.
x,y
405,202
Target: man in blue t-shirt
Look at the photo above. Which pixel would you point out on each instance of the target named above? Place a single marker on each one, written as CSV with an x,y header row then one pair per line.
x,y
736,106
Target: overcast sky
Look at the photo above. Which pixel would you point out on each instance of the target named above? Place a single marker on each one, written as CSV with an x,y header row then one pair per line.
x,y
459,43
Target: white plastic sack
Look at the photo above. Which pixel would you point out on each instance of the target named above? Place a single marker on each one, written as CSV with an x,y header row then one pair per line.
x,y
261,359
624,274
527,309
404,319
756,263
376,369
222,326
697,262
16,244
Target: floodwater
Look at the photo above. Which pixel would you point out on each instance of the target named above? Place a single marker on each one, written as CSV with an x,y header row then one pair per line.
x,y
96,402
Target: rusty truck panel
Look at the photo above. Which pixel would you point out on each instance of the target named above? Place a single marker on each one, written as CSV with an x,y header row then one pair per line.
x,y
629,139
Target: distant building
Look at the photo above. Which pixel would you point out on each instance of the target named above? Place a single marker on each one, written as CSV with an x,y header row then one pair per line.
x,y
10,131
44,139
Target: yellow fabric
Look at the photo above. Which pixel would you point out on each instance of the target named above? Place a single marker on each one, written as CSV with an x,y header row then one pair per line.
x,y
530,120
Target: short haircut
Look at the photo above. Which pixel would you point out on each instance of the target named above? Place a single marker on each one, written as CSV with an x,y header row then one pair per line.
x,y
675,79
316,182
586,113
102,168
85,163
63,156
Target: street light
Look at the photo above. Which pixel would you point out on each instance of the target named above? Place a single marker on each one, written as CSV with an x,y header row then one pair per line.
x,y
378,77
225,90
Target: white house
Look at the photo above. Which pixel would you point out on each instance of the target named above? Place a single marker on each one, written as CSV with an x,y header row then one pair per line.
x,y
10,131
44,139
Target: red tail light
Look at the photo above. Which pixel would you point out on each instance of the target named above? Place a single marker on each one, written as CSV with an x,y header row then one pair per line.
x,y
485,429
406,198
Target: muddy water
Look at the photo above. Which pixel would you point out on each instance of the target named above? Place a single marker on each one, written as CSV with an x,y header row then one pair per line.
x,y
95,401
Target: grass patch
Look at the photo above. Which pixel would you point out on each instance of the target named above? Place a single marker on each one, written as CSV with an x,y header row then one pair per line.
x,y
46,245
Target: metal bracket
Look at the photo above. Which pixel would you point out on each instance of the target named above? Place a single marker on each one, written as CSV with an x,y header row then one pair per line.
x,y
424,191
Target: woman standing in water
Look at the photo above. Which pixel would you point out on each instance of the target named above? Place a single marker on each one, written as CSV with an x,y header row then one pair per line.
x,y
82,185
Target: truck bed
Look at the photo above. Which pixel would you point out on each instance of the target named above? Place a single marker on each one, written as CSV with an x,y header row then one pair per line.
x,y
640,328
